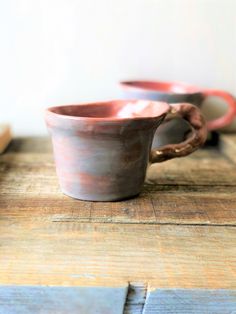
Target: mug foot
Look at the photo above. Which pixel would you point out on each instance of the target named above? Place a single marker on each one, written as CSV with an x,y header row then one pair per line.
x,y
100,198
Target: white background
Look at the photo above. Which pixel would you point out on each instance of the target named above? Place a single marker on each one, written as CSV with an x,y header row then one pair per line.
x,y
68,51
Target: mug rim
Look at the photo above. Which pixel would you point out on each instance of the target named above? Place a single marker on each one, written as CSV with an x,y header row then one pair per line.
x,y
139,85
165,110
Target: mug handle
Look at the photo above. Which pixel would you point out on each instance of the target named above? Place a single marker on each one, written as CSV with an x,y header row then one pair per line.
x,y
230,114
197,137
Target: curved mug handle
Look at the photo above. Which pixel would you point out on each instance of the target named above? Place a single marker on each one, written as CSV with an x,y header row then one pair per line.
x,y
196,138
228,117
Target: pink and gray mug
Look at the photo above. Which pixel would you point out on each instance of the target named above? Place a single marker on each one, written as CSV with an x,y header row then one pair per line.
x,y
176,92
102,150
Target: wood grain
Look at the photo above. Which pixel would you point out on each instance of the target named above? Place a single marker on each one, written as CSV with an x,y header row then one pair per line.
x,y
228,146
197,169
182,191
67,253
135,298
180,301
5,136
162,205
170,250
61,300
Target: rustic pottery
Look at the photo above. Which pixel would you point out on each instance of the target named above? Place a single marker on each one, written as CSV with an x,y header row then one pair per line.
x,y
175,130
102,150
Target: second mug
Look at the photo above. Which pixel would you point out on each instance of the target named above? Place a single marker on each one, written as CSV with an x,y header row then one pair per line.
x,y
175,130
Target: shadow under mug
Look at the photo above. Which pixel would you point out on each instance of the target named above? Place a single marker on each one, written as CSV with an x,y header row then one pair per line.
x,y
102,150
175,131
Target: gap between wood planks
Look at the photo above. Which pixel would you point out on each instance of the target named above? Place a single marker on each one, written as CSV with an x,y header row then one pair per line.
x,y
146,223
136,298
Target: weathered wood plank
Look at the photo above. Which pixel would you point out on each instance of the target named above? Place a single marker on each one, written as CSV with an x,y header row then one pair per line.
x,y
29,190
162,205
228,146
5,136
30,144
77,254
135,298
180,301
175,236
197,169
188,171
61,300
204,167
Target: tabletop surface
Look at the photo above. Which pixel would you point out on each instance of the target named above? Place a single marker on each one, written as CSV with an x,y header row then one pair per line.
x,y
175,241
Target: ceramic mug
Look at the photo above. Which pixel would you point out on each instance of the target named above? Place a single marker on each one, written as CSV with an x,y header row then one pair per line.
x,y
102,150
176,92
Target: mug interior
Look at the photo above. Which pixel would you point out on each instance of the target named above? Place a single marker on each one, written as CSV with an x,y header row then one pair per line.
x,y
117,109
165,87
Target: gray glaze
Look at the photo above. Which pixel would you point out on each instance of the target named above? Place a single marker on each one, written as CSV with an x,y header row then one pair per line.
x,y
177,92
102,150
174,131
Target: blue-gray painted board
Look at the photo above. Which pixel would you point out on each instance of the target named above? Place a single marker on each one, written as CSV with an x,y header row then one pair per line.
x,y
189,301
61,300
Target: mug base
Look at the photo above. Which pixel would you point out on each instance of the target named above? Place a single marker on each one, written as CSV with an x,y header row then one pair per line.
x,y
100,198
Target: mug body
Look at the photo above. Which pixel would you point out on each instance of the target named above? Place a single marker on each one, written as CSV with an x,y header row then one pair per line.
x,y
174,131
100,159
171,98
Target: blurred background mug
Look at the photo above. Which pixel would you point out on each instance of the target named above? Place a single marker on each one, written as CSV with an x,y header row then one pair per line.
x,y
175,130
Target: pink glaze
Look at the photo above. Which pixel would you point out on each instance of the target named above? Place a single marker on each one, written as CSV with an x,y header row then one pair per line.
x,y
111,110
177,92
169,87
102,149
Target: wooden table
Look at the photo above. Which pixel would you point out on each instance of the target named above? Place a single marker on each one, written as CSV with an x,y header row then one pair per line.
x,y
171,250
